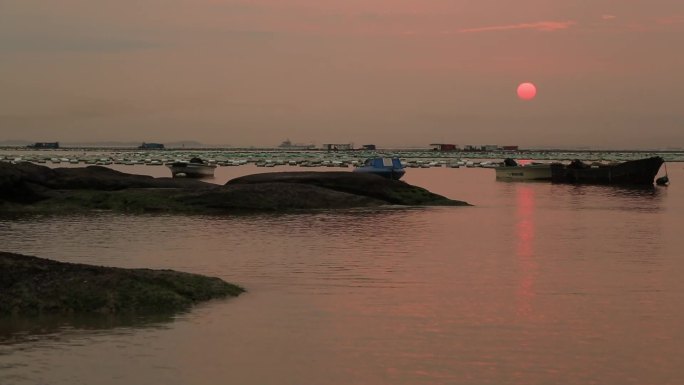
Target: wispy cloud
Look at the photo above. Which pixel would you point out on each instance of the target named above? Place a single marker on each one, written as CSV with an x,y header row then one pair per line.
x,y
676,19
546,26
57,43
608,17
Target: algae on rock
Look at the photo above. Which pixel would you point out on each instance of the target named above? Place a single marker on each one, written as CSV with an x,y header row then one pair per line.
x,y
36,286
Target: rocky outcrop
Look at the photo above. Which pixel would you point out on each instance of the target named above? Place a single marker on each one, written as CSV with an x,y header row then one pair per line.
x,y
27,187
372,186
27,182
37,286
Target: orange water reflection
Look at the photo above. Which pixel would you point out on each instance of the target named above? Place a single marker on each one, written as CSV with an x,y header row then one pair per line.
x,y
525,233
444,295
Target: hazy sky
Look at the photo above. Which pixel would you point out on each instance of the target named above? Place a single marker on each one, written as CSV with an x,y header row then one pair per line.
x,y
609,73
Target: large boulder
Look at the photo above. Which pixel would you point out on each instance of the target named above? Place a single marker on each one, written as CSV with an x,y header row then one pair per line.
x,y
27,187
276,197
90,177
28,183
364,184
35,286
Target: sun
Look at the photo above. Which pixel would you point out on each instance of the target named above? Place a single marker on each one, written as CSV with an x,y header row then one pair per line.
x,y
527,91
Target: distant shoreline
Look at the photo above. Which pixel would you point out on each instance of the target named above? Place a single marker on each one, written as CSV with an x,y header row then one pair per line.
x,y
320,150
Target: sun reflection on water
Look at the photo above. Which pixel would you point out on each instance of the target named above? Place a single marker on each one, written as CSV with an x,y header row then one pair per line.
x,y
525,232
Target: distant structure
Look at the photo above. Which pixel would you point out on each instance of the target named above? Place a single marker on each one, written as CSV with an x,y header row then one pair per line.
x,y
470,147
444,147
51,145
151,146
287,145
369,147
486,147
338,146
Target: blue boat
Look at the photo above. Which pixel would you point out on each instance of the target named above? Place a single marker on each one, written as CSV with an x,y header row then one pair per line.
x,y
386,167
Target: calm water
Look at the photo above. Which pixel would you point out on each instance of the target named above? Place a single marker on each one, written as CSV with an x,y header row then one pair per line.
x,y
535,284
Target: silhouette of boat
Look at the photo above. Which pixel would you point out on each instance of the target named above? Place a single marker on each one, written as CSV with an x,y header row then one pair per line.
x,y
195,168
512,170
288,145
634,172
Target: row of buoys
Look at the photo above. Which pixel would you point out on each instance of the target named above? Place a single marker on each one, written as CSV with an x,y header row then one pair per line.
x,y
410,158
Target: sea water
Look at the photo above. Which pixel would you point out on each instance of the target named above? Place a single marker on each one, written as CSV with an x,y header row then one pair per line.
x,y
536,283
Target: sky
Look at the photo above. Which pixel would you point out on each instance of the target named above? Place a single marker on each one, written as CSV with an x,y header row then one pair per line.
x,y
401,73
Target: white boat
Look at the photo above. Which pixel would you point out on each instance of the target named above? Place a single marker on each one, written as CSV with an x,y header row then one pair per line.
x,y
195,168
511,170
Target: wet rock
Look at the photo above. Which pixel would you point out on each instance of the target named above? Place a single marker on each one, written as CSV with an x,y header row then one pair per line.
x,y
27,187
37,286
386,190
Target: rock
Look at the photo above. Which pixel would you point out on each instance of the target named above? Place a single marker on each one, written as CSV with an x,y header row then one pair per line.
x,y
37,286
363,184
90,177
27,187
276,197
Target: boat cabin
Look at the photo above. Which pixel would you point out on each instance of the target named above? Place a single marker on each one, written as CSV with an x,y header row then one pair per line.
x,y
52,145
383,163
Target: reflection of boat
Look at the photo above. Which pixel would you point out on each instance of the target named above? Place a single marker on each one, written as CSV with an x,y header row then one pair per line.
x,y
511,170
386,167
634,172
195,168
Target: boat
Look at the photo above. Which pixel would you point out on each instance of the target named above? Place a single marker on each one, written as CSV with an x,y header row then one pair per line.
x,y
195,168
288,145
385,167
514,171
633,172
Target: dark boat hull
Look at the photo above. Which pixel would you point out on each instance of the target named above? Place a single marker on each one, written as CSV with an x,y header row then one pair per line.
x,y
635,172
391,173
192,170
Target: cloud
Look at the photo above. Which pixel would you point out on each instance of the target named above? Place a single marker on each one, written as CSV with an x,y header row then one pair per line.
x,y
608,17
55,43
676,19
546,26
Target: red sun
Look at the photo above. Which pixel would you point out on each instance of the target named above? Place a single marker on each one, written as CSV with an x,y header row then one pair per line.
x,y
527,91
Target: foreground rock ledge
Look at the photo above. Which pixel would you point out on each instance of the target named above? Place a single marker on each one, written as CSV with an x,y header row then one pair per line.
x,y
27,187
37,286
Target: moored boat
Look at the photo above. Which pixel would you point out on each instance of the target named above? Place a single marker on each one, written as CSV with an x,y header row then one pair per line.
x,y
634,172
385,167
288,145
513,171
195,168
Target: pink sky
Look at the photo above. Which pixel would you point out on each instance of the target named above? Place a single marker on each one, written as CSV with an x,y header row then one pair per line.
x,y
394,73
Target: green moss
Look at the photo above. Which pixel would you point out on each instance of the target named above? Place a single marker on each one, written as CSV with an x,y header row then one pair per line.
x,y
35,286
129,200
83,190
416,196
